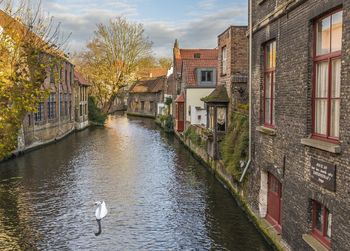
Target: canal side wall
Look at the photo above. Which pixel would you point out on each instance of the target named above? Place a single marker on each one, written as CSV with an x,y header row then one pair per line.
x,y
238,190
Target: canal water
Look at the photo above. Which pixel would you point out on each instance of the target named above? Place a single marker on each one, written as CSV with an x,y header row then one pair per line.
x,y
158,196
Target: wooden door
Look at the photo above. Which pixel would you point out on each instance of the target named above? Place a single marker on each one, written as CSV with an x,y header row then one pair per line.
x,y
274,202
180,117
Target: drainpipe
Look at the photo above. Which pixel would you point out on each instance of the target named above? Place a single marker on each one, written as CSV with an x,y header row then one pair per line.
x,y
250,92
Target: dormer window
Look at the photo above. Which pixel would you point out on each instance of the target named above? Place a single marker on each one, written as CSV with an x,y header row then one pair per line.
x,y
197,55
206,76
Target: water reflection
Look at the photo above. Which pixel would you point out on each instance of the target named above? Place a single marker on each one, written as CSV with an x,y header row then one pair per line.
x,y
159,197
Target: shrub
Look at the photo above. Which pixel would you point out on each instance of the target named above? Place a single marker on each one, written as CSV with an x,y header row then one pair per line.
x,y
234,147
95,114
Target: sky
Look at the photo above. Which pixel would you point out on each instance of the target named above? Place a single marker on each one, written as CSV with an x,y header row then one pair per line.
x,y
195,23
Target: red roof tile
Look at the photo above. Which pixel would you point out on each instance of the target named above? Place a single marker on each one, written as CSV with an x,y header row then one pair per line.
x,y
81,80
151,85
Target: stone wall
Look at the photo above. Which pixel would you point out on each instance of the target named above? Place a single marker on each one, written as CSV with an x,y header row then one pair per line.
x,y
149,109
280,151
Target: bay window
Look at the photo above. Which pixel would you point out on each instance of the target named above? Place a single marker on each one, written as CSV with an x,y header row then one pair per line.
x,y
321,223
269,84
327,70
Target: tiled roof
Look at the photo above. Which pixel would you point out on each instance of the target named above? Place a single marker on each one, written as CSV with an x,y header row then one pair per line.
x,y
180,99
189,73
219,95
150,85
152,72
81,80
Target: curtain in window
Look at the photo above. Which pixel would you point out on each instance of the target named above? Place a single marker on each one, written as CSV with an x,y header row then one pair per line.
x,y
221,115
321,98
335,98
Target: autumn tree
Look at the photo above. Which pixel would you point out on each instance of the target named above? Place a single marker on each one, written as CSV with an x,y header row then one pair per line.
x,y
165,63
28,48
112,58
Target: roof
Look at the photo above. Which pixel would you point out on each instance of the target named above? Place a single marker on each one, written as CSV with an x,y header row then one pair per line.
x,y
189,54
80,79
150,85
219,95
189,67
152,72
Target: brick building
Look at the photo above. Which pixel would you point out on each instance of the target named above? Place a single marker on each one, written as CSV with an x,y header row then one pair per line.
x,y
55,116
233,64
81,96
300,174
195,73
144,96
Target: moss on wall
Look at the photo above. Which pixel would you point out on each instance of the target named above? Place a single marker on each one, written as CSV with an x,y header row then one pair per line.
x,y
234,147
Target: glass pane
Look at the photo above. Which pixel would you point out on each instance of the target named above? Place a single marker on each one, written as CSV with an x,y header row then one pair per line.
x,y
321,116
267,111
337,23
335,117
273,58
319,217
329,225
203,76
336,70
268,85
268,57
209,76
322,80
323,36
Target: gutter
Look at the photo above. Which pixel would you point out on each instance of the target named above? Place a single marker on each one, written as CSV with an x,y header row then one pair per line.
x,y
250,92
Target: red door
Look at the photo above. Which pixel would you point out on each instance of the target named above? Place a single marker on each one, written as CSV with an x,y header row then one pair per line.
x,y
274,196
180,117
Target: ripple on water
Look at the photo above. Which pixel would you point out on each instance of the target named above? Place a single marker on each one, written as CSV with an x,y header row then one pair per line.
x,y
158,196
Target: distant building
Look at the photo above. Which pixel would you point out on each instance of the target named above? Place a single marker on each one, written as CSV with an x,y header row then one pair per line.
x,y
55,117
144,96
195,73
81,101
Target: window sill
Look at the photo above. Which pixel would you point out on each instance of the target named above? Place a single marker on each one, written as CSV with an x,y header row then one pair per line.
x,y
266,130
314,243
322,145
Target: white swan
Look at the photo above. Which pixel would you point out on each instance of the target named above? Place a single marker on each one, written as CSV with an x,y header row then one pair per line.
x,y
101,212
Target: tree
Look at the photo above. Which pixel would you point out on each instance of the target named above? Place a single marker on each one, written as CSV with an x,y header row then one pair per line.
x,y
27,53
165,63
112,58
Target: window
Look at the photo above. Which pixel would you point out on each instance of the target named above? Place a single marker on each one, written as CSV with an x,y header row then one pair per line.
x,y
269,84
86,109
81,110
223,60
51,104
52,75
65,104
327,70
151,106
206,76
142,105
189,110
61,104
221,119
39,115
197,55
321,223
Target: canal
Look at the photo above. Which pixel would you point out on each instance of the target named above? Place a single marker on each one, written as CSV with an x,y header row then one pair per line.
x,y
158,196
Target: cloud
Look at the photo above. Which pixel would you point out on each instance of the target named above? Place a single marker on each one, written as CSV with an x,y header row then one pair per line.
x,y
196,29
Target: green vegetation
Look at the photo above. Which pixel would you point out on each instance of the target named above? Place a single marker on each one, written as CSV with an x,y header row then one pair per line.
x,y
194,137
168,122
95,114
234,147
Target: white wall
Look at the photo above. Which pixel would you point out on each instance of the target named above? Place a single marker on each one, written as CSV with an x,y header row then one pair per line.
x,y
193,100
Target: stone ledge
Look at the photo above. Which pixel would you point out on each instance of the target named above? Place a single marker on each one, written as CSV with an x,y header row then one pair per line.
x,y
325,146
266,130
313,243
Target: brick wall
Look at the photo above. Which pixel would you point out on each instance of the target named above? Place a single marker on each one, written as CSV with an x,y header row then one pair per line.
x,y
282,154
